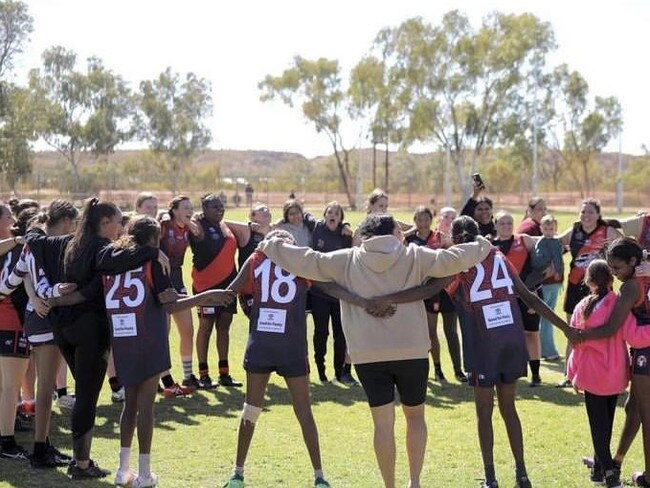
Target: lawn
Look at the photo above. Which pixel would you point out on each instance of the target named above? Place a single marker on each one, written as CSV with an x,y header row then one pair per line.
x,y
195,437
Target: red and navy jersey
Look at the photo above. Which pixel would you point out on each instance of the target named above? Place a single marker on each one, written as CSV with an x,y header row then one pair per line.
x,y
137,322
213,257
515,250
490,318
644,237
245,251
585,247
433,241
174,240
278,327
12,308
641,309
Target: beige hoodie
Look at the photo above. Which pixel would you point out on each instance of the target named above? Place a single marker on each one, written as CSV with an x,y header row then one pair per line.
x,y
381,265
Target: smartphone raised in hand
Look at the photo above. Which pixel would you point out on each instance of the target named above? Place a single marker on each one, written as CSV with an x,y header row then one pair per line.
x,y
478,181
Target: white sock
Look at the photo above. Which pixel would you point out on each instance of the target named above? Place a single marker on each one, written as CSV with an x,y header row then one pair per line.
x,y
187,366
144,466
318,473
125,454
239,470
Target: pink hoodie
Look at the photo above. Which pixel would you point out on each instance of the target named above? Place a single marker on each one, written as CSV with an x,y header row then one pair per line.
x,y
602,366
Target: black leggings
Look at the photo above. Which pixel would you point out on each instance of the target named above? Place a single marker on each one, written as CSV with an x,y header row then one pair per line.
x,y
85,343
322,309
601,411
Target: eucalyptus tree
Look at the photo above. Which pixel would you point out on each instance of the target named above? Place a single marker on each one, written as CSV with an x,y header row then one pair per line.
x,y
582,129
457,86
83,112
316,86
175,109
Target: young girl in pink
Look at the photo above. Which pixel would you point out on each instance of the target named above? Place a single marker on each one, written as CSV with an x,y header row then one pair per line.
x,y
601,367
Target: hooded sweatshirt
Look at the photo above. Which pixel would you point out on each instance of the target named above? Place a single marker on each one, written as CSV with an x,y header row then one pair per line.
x,y
379,266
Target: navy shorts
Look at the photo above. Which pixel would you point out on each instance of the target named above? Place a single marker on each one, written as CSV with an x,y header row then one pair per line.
x,y
640,358
507,378
530,320
294,369
213,312
572,295
13,343
409,376
38,329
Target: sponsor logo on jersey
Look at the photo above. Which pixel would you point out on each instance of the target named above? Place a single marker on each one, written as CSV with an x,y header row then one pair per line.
x,y
641,361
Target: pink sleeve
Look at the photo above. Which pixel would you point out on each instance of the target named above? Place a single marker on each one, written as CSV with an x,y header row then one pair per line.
x,y
636,336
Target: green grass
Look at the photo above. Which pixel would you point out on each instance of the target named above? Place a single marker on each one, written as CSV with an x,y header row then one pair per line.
x,y
195,438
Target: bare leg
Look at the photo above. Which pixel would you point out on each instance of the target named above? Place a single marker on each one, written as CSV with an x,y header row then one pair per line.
x,y
416,441
299,390
383,418
484,403
255,389
47,359
223,335
12,373
630,428
506,399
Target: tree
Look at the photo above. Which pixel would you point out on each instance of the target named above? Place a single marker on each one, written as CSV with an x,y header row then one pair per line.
x,y
82,112
371,94
16,132
317,87
15,27
457,86
174,112
582,131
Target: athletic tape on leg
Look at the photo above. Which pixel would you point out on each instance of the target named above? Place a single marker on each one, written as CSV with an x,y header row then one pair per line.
x,y
250,413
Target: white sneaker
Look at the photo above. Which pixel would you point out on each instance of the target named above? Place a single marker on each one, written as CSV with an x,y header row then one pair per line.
x,y
118,396
65,402
124,478
150,481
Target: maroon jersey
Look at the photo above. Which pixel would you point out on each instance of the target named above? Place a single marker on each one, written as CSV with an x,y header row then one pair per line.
x,y
644,238
174,240
490,319
138,323
278,327
12,308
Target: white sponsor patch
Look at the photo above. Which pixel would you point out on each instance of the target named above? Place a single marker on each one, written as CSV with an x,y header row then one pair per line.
x,y
272,320
124,325
497,315
208,310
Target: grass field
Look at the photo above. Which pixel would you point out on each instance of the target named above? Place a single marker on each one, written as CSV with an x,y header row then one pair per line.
x,y
195,437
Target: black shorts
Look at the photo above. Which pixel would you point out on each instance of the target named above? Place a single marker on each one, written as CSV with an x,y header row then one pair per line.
x,y
215,311
508,378
13,343
572,295
530,319
38,329
409,376
286,370
176,279
640,359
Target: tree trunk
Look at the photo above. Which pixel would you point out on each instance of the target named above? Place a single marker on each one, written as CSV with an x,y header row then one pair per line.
x,y
344,178
386,169
374,164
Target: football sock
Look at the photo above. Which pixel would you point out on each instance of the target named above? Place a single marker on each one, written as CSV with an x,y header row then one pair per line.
x,y
223,367
187,366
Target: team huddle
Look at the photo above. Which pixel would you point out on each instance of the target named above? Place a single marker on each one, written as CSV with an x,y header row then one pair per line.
x,y
97,289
